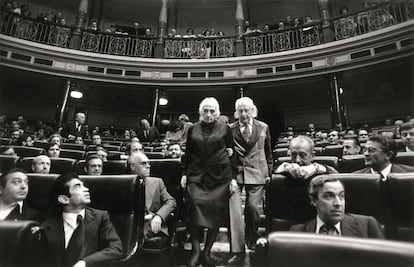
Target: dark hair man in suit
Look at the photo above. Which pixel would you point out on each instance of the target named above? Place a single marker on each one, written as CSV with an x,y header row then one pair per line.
x,y
379,152
407,136
14,186
327,195
94,165
77,235
351,146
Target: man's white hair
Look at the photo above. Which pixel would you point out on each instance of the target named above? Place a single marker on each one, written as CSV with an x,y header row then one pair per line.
x,y
245,101
209,101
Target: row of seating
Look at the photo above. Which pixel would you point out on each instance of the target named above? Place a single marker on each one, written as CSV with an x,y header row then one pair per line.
x,y
324,144
351,163
390,201
24,151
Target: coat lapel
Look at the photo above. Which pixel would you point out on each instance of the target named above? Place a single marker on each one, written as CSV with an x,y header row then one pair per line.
x,y
56,237
149,195
349,227
255,133
310,227
90,224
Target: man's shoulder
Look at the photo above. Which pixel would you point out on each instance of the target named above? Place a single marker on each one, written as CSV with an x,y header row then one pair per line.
x,y
401,168
364,170
153,180
234,124
260,123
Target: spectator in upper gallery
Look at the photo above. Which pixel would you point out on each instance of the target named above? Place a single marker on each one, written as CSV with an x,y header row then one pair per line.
x,y
302,166
7,151
327,195
41,164
296,22
94,165
174,151
76,127
79,140
173,33
15,8
16,139
135,26
220,33
148,133
148,32
52,150
28,140
380,152
333,137
14,186
363,135
55,139
7,6
93,26
59,18
189,33
266,27
25,10
351,146
288,22
206,33
407,136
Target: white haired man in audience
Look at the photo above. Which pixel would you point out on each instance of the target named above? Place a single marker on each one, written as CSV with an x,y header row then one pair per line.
x,y
407,136
380,152
158,202
76,127
327,195
254,163
302,155
14,186
148,133
41,164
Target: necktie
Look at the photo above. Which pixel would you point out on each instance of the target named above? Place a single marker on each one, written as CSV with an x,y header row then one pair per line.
x,y
14,214
246,133
73,251
328,230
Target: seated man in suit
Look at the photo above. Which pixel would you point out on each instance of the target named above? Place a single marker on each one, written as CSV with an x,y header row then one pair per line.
x,y
41,164
94,165
379,152
158,202
333,137
351,146
327,195
76,128
362,135
407,136
7,151
148,133
96,139
14,186
301,165
76,234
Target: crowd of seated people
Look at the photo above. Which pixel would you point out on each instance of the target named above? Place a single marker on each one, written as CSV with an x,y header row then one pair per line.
x,y
189,33
55,17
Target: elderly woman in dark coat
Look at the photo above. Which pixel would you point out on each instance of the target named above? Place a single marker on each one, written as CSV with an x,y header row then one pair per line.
x,y
207,176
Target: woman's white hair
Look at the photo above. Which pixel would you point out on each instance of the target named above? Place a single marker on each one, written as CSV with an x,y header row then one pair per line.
x,y
209,101
245,101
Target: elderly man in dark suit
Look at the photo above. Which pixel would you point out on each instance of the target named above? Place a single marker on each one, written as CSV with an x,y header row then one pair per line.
x,y
158,202
77,235
254,165
14,186
379,152
148,133
327,195
76,128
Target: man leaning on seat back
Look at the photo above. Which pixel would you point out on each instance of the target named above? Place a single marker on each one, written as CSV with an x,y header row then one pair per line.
x,y
327,195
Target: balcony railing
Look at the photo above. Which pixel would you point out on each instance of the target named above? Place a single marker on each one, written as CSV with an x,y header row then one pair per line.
x,y
282,40
208,47
34,30
117,44
342,27
372,19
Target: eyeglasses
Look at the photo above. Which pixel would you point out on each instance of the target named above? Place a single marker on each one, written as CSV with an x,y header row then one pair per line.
x,y
145,163
405,134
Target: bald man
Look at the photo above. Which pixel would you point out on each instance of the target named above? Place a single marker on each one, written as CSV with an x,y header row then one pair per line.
x,y
41,164
147,133
76,128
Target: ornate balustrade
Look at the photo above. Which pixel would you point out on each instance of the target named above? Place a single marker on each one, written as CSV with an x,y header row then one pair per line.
x,y
208,47
372,19
117,44
277,41
37,31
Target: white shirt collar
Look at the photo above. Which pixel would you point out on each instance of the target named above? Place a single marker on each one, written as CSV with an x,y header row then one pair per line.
x,y
71,218
249,123
385,172
319,224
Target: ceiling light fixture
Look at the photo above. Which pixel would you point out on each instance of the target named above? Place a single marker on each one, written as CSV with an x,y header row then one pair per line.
x,y
76,94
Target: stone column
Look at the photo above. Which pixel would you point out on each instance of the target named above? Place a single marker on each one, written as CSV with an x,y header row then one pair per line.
x,y
159,46
325,16
239,28
79,24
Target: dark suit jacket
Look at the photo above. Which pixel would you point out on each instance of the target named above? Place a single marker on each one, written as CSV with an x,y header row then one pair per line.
x,y
395,168
102,243
254,158
158,201
27,213
70,128
352,225
153,135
